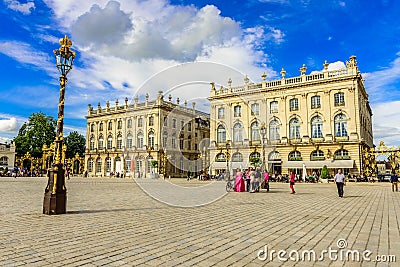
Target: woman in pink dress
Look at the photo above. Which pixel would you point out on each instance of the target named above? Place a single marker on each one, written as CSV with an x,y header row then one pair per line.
x,y
239,182
292,181
266,181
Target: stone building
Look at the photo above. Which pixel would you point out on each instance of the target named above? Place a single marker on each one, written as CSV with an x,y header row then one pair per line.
x,y
7,156
308,121
146,139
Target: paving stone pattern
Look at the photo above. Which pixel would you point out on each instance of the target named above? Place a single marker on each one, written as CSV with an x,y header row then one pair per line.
x,y
112,222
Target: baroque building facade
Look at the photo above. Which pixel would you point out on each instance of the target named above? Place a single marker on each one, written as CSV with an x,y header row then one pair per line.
x,y
145,139
307,121
7,155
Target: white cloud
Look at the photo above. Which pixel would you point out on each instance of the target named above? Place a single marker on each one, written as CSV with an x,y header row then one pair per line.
x,y
384,128
8,125
337,65
17,6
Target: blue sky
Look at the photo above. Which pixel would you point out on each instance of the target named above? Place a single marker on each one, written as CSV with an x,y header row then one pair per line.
x,y
121,44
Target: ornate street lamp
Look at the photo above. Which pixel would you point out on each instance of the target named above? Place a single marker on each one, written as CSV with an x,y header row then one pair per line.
x,y
263,132
227,145
55,194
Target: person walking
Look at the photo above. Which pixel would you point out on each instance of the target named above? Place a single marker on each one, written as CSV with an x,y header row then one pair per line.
x,y
257,180
292,181
340,181
247,174
266,181
394,179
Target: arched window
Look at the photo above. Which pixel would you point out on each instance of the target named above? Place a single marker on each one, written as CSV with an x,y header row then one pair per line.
x,y
109,142
294,128
274,130
220,157
140,140
295,155
274,155
90,165
316,127
119,124
119,141
4,161
130,123
101,142
98,165
129,141
110,126
340,125
108,164
317,155
91,143
221,134
237,157
151,139
255,131
92,127
237,132
342,154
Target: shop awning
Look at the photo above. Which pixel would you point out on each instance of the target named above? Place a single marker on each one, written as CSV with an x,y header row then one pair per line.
x,y
331,164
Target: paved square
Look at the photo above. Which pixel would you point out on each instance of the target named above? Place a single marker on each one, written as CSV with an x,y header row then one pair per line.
x,y
112,222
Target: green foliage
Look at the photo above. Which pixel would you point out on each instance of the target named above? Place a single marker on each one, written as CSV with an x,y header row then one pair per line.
x,y
255,161
154,163
75,143
324,172
40,129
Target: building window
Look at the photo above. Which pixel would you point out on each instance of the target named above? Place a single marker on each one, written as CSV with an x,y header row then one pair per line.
x,y
237,133
273,107
165,140
4,161
91,145
110,126
180,143
221,157
181,165
151,121
294,104
165,121
221,134
98,165
294,128
128,164
255,131
189,126
295,156
342,154
92,127
317,155
339,99
255,109
316,101
237,111
182,124
173,141
340,125
119,125
129,142
129,123
90,165
140,140
274,130
140,122
119,141
173,123
109,142
151,139
101,127
316,127
221,113
108,164
101,142
237,157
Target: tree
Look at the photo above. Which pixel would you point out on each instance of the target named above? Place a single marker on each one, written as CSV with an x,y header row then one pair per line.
x,y
75,143
324,172
255,161
39,130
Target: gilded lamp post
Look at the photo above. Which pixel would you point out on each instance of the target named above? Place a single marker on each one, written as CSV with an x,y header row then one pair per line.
x,y
55,194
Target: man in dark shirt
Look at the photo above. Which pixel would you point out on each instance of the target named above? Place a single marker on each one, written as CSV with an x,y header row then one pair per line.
x,y
394,180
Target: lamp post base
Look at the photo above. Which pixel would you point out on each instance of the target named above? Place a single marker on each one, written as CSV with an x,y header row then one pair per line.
x,y
55,201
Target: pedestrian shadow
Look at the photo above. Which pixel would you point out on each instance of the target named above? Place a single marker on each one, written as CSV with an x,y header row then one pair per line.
x,y
112,210
351,196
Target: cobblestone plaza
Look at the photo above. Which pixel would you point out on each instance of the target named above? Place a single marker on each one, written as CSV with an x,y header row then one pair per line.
x,y
112,222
